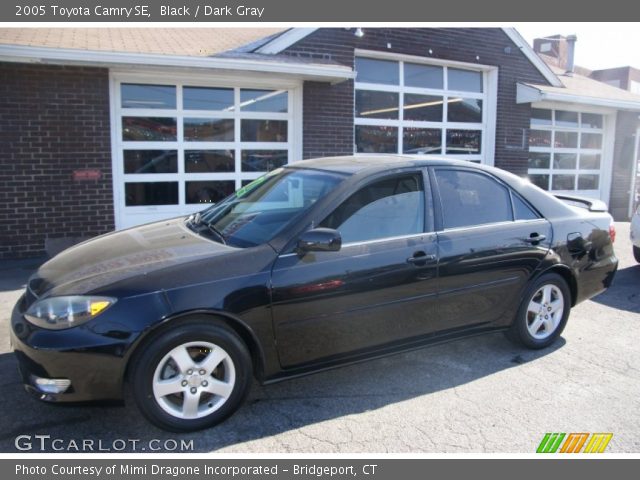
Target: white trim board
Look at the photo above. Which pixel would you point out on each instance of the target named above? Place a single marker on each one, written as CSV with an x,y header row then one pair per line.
x,y
285,40
57,56
531,94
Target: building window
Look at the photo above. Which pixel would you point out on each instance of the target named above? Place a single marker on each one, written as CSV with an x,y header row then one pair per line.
x,y
412,108
183,146
565,150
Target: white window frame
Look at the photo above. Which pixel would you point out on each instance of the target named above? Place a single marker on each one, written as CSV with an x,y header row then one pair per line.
x,y
488,96
606,151
293,146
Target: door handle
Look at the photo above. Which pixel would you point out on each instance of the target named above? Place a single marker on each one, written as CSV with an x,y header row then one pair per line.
x,y
420,258
535,238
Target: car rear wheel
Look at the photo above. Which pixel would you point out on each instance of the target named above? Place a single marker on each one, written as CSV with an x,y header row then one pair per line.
x,y
543,313
636,253
192,376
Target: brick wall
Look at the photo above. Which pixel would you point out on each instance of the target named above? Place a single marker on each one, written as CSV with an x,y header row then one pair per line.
x,y
328,109
53,120
624,148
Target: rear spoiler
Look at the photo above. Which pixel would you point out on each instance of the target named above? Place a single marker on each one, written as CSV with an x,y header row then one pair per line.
x,y
591,204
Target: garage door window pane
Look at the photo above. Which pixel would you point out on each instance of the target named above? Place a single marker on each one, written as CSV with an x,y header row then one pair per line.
x,y
540,138
563,182
264,131
148,129
370,104
208,191
264,100
464,142
263,160
421,140
151,193
148,96
566,140
539,160
590,161
541,181
425,108
588,182
377,71
566,119
205,161
565,161
472,199
465,80
540,116
208,130
464,110
376,139
423,76
591,120
591,140
202,98
150,161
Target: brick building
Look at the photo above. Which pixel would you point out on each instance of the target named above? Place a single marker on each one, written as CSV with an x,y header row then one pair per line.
x,y
109,128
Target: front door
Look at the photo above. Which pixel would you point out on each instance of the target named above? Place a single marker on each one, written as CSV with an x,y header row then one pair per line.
x,y
378,289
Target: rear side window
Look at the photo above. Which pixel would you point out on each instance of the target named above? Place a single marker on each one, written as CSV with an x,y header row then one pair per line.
x,y
470,198
521,210
391,207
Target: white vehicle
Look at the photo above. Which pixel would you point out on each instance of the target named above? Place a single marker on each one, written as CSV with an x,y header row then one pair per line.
x,y
635,233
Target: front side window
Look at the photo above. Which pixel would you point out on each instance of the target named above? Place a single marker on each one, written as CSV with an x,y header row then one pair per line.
x,y
470,198
387,208
411,108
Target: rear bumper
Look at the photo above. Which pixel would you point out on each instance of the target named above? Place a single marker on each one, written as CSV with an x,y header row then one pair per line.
x,y
597,278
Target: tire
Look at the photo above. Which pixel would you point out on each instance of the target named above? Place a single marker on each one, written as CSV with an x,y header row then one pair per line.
x,y
636,253
192,376
543,313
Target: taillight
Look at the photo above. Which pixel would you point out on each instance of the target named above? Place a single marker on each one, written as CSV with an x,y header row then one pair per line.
x,y
612,232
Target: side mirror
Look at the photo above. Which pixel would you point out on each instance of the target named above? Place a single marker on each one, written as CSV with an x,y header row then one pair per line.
x,y
320,240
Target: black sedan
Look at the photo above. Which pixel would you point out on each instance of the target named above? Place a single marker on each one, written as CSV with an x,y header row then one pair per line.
x,y
314,265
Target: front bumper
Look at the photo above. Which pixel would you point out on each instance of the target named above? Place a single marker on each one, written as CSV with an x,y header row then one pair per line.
x,y
92,362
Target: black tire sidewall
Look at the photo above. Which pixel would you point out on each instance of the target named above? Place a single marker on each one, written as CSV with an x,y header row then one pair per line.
x,y
519,328
148,359
636,253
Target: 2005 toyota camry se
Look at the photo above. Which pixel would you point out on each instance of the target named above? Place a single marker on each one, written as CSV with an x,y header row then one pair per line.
x,y
313,265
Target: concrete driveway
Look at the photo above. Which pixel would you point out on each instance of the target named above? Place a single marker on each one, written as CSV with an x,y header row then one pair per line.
x,y
476,395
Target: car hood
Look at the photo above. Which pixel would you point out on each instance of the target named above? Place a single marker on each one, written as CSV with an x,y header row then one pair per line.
x,y
123,254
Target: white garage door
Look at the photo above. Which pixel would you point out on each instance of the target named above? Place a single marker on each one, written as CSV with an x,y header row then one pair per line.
x,y
181,146
567,152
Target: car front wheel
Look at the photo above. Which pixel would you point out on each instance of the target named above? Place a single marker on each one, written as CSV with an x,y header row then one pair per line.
x,y
543,313
192,376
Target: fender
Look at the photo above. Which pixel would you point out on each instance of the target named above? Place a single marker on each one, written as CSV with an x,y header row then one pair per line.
x,y
238,325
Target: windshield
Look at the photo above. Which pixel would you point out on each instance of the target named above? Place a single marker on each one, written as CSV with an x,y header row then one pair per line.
x,y
259,211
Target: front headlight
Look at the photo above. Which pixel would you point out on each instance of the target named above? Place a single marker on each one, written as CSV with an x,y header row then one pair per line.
x,y
57,313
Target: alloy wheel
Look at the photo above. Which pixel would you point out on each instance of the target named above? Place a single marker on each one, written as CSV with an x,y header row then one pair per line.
x,y
194,380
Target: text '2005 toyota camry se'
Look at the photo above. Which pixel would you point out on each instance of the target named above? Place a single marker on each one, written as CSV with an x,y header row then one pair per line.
x,y
314,265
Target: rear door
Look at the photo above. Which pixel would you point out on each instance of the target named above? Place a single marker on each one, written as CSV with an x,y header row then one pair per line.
x,y
490,242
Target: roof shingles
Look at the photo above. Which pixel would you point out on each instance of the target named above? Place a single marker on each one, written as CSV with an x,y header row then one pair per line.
x,y
195,42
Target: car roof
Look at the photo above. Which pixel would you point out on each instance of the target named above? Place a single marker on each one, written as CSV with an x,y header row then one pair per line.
x,y
351,165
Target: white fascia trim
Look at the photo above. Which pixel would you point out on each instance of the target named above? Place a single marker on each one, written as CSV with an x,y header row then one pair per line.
x,y
285,40
528,52
45,55
531,94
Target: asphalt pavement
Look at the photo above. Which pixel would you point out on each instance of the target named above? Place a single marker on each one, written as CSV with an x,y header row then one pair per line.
x,y
481,394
